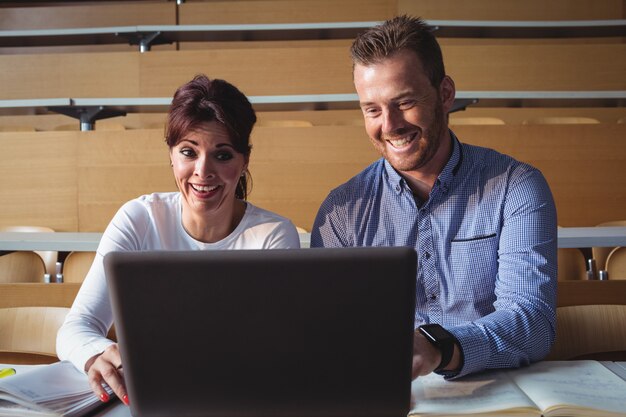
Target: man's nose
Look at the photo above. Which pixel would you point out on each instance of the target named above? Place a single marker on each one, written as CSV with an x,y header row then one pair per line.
x,y
392,120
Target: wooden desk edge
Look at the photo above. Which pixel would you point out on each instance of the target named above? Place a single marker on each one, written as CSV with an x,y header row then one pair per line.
x,y
591,292
36,294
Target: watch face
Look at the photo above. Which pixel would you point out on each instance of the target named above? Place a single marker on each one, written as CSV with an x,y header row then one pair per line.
x,y
436,332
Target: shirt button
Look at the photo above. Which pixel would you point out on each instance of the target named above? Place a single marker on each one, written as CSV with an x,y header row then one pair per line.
x,y
398,188
427,255
433,297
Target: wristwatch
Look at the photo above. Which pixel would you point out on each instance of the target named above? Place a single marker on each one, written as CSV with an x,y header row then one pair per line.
x,y
442,339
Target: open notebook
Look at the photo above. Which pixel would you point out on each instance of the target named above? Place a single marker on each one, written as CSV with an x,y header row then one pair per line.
x,y
295,332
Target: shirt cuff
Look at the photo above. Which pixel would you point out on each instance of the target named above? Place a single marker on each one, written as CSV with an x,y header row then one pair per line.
x,y
93,347
474,347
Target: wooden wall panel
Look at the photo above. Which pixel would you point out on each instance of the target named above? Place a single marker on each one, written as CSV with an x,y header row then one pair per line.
x,y
584,164
306,70
108,74
114,167
513,9
293,169
284,11
38,179
127,13
78,180
536,67
265,71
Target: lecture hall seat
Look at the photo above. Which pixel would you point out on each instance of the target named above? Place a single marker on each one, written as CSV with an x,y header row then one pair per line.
x,y
571,264
49,257
21,266
76,266
28,334
590,321
600,254
616,265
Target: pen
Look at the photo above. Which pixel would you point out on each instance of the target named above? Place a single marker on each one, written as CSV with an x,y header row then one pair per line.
x,y
6,372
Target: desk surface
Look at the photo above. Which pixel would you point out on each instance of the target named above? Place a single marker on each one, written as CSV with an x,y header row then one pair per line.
x,y
569,237
117,409
145,36
88,110
68,241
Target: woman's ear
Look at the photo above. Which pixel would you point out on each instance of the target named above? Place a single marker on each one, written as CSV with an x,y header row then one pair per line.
x,y
246,161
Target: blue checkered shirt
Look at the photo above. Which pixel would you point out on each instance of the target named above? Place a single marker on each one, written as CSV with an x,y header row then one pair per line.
x,y
486,240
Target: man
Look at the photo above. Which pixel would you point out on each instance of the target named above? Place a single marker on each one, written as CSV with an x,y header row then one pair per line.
x,y
483,224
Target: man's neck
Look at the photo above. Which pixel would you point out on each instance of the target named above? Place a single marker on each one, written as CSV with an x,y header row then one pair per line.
x,y
422,181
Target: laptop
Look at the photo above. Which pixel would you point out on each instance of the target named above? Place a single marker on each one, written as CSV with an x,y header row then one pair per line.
x,y
255,333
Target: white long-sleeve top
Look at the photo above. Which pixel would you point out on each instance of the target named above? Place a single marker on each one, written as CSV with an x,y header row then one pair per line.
x,y
152,222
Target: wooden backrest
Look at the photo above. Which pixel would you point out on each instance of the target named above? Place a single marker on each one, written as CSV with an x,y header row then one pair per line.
x,y
590,321
23,266
571,264
600,254
76,266
590,332
49,257
29,333
37,295
616,264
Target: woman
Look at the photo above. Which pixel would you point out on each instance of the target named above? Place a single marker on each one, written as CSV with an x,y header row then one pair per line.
x,y
208,132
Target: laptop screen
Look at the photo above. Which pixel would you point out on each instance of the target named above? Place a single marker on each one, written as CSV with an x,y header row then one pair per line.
x,y
294,332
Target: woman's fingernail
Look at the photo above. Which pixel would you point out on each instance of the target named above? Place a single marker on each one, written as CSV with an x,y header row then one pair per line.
x,y
125,399
104,397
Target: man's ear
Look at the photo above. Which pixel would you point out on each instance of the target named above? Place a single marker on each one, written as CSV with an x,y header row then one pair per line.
x,y
447,92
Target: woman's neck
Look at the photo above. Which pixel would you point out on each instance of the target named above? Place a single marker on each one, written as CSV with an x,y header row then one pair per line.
x,y
217,226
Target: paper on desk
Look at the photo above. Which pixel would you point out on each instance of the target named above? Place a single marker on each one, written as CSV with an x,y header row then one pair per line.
x,y
56,389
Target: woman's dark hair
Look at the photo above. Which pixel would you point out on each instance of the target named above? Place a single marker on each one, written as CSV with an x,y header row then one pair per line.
x,y
203,100
398,34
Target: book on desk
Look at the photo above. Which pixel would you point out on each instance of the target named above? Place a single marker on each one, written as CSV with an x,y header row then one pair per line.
x,y
549,389
54,390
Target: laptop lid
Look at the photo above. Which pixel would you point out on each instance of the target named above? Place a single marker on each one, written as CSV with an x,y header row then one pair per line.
x,y
293,332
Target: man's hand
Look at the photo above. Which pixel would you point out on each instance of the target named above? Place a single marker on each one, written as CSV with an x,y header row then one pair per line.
x,y
107,368
427,357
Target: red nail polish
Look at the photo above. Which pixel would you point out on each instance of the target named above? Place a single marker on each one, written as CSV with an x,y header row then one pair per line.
x,y
104,397
125,399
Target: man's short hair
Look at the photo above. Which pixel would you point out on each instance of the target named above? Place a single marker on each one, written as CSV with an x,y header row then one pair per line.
x,y
397,34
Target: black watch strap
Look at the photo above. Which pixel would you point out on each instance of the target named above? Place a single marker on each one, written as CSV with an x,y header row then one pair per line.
x,y
442,339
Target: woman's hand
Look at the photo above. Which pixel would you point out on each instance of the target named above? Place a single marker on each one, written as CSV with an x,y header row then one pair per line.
x,y
107,368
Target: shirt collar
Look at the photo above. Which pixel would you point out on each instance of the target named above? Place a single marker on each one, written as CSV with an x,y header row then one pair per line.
x,y
452,166
394,180
397,183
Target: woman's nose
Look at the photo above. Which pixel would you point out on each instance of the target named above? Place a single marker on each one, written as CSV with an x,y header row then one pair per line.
x,y
204,168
